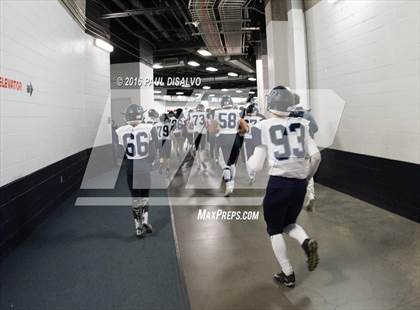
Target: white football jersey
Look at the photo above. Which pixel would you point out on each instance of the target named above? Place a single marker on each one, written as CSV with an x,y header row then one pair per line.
x,y
252,120
199,121
288,144
228,121
136,140
178,125
163,130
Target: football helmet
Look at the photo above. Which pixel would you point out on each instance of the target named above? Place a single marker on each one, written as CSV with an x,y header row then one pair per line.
x,y
226,102
153,114
281,99
200,107
134,112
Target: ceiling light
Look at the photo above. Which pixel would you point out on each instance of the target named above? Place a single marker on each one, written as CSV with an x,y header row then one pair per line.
x,y
252,79
211,69
239,91
232,74
224,89
157,66
104,45
204,52
157,91
206,87
193,63
211,95
198,94
179,93
252,93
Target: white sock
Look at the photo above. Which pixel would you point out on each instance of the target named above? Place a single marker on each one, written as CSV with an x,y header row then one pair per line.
x,y
280,251
296,232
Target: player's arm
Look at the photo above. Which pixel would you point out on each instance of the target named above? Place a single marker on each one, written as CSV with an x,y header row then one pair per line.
x,y
256,161
313,126
243,126
314,159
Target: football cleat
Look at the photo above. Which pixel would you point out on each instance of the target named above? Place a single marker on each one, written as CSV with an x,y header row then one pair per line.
x,y
148,228
251,180
141,231
311,205
229,188
310,247
288,281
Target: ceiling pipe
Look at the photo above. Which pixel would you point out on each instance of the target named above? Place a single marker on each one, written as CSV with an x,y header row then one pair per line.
x,y
154,22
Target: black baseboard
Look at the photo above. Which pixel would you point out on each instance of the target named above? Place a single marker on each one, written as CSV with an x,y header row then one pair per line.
x,y
389,184
25,202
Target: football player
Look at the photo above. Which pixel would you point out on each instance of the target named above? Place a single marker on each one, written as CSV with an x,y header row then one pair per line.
x,y
178,128
153,117
199,122
298,111
163,128
139,140
293,159
252,117
228,125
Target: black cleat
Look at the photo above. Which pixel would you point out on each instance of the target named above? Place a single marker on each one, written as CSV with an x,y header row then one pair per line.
x,y
310,247
288,281
141,232
148,228
311,205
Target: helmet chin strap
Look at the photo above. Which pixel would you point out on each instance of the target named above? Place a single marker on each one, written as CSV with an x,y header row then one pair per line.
x,y
134,123
279,113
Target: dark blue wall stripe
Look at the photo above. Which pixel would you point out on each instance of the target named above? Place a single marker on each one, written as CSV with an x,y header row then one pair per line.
x,y
389,184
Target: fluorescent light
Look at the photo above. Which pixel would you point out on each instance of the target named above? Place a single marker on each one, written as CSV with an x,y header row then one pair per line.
x,y
211,69
224,89
232,74
252,79
179,93
252,93
104,45
157,91
198,94
211,95
193,63
204,52
239,91
157,66
206,87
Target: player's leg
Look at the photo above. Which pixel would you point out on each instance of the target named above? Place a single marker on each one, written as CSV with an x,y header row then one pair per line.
x,y
249,150
202,151
295,231
167,149
275,215
136,204
225,143
234,154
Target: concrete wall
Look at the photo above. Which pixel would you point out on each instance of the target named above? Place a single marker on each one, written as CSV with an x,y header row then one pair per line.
x,y
70,77
368,53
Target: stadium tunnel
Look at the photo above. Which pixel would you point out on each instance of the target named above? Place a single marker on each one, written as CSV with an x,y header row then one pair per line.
x,y
71,69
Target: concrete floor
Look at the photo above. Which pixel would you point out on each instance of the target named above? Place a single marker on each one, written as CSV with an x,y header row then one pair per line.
x,y
369,257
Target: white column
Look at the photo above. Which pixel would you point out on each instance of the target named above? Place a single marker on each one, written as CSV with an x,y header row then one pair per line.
x,y
147,96
262,82
298,65
277,37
